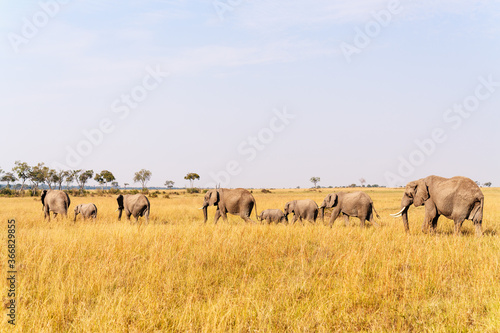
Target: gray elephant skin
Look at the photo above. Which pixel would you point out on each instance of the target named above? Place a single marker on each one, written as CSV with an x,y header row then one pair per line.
x,y
133,204
273,215
302,209
355,204
457,198
55,201
233,201
88,210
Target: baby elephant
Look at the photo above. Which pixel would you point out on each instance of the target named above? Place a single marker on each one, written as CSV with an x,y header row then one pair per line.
x,y
302,209
87,210
273,215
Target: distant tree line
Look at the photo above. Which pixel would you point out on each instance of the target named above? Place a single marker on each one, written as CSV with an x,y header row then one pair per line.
x,y
35,176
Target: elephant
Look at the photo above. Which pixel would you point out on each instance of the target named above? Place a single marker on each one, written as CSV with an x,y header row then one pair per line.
x,y
302,209
87,210
233,201
355,204
133,204
457,198
55,201
273,215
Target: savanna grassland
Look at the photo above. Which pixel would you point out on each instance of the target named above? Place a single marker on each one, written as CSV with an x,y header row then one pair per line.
x,y
177,274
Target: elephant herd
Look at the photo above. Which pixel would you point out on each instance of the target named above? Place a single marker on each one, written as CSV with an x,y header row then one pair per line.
x,y
457,198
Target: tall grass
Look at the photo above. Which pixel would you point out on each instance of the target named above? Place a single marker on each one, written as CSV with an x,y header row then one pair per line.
x,y
177,274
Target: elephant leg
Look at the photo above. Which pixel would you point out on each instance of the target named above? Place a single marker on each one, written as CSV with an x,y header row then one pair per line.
x,y
55,215
458,225
335,214
294,218
430,215
217,216
247,219
346,220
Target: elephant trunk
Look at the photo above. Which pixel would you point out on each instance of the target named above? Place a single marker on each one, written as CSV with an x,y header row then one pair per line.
x,y
205,214
405,220
120,214
75,218
322,213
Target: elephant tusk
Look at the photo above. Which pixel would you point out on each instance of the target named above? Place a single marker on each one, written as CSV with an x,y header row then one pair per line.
x,y
201,208
398,214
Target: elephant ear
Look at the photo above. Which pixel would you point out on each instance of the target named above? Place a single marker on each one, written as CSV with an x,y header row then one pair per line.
x,y
422,193
44,193
214,198
332,202
120,202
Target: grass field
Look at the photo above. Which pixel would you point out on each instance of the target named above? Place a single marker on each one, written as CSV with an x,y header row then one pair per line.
x,y
177,274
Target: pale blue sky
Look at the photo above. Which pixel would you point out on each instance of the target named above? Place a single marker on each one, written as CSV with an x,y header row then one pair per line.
x,y
231,71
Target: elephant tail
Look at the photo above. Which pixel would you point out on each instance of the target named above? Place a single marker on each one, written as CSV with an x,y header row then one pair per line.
x,y
476,214
255,206
373,208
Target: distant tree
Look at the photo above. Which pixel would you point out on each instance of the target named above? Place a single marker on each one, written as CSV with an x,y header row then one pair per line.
x,y
169,184
125,185
60,177
8,177
192,177
315,181
107,176
70,176
142,177
352,185
488,184
362,181
23,171
98,178
55,178
83,177
478,183
114,184
36,177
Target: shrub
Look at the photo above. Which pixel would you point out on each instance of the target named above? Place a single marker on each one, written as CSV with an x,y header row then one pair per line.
x,y
193,190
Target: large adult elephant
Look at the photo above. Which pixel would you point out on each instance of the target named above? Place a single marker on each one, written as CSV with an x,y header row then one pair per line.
x,y
133,204
302,209
233,201
355,204
457,198
55,201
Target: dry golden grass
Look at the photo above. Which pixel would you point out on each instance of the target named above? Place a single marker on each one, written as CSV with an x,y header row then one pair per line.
x,y
177,274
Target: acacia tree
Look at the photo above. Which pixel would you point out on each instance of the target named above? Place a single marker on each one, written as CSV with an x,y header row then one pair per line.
x,y
192,177
23,171
169,184
8,177
142,177
99,178
36,176
69,176
315,181
107,176
59,178
83,177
